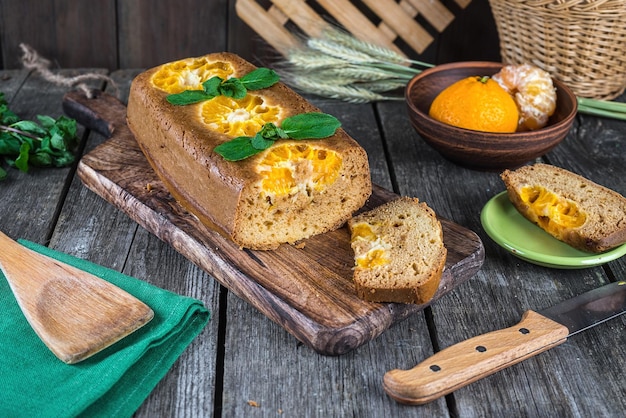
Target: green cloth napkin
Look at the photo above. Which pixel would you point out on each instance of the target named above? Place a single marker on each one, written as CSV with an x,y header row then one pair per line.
x,y
114,382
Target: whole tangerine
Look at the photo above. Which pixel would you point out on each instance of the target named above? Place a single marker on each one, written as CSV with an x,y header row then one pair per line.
x,y
478,103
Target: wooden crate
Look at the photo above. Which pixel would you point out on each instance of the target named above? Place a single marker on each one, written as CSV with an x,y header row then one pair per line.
x,y
382,22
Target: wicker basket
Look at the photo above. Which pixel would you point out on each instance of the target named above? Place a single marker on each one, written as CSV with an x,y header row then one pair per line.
x,y
580,42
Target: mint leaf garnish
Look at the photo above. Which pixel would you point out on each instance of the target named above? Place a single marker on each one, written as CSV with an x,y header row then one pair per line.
x,y
234,87
260,143
260,78
212,86
237,149
188,97
312,125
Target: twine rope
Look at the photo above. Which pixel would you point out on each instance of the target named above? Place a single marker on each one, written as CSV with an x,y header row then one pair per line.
x,y
33,61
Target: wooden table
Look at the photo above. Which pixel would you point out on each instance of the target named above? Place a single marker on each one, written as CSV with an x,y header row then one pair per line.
x,y
243,364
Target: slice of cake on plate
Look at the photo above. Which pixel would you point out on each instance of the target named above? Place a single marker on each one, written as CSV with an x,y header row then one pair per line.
x,y
573,209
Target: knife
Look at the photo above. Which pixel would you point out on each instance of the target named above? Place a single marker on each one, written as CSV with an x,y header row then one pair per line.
x,y
481,356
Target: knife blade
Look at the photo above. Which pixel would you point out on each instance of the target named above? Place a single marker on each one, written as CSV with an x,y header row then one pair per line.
x,y
478,357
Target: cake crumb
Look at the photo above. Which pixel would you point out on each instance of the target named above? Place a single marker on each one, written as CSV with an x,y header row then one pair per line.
x,y
253,403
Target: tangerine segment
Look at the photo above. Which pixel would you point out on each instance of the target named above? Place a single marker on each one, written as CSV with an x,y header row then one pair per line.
x,y
533,91
554,214
370,250
243,117
363,231
189,74
294,168
476,103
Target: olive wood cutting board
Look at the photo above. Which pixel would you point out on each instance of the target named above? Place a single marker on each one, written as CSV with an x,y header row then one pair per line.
x,y
308,290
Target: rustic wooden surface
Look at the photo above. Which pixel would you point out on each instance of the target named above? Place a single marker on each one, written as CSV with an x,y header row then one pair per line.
x,y
243,364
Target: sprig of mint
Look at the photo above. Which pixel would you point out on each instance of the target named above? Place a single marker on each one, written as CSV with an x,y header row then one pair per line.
x,y
234,87
312,125
42,143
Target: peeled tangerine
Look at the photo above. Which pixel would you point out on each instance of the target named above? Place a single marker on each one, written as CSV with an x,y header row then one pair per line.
x,y
533,91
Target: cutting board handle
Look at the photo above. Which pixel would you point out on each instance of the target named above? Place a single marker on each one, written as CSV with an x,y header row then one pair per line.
x,y
102,112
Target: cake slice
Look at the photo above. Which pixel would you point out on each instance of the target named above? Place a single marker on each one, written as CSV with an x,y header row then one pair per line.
x,y
573,209
398,251
289,192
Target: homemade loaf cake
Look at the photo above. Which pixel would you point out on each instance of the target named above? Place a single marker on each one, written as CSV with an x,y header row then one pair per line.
x,y
398,251
571,208
289,192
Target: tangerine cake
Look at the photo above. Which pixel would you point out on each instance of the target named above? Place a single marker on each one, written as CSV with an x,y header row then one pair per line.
x,y
573,209
291,191
399,252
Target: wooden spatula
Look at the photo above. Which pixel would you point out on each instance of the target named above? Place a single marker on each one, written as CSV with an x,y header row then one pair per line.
x,y
76,314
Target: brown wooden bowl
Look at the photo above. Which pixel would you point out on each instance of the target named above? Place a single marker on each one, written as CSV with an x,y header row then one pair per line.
x,y
483,150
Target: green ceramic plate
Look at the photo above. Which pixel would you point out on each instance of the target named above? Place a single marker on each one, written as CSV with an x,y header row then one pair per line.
x,y
507,227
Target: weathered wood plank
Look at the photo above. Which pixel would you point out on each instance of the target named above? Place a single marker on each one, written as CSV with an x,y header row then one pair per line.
x,y
78,34
188,389
71,33
151,33
10,83
84,230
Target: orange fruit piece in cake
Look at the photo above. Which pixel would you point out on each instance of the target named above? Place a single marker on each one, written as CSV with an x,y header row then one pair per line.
x,y
476,103
189,74
297,168
239,117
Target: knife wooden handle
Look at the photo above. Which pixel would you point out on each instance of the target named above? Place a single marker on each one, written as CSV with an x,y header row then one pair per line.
x,y
473,359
